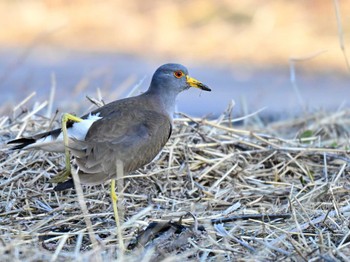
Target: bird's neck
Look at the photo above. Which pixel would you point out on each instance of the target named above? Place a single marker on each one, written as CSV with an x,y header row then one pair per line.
x,y
163,102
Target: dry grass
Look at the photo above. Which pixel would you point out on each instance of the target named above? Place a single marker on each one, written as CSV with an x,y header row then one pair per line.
x,y
254,192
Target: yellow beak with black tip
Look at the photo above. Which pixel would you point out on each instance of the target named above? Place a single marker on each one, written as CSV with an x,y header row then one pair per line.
x,y
197,84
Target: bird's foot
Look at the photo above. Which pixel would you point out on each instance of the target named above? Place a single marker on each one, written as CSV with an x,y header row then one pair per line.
x,y
61,177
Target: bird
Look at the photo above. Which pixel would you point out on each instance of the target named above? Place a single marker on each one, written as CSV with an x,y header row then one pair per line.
x,y
131,131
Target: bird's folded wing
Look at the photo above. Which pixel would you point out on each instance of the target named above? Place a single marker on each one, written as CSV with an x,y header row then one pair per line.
x,y
134,138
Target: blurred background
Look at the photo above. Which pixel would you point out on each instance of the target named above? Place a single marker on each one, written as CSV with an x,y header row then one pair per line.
x,y
241,49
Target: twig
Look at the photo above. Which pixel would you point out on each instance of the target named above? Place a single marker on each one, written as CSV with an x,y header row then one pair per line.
x,y
263,217
340,33
314,221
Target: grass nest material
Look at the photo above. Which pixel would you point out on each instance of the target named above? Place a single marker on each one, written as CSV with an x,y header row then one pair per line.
x,y
218,190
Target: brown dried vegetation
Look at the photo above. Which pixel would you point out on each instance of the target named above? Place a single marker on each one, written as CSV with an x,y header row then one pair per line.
x,y
217,191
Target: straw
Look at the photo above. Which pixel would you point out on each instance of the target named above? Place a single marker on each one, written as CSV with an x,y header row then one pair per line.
x,y
254,192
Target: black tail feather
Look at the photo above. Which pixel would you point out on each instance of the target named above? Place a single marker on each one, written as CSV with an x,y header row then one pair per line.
x,y
22,142
25,141
64,185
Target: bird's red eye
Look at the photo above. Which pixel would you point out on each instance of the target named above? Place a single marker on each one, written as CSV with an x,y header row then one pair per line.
x,y
178,74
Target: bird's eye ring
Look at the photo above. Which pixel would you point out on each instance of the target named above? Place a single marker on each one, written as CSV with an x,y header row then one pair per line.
x,y
178,74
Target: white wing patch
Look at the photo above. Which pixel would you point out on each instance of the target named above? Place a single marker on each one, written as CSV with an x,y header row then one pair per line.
x,y
80,129
77,131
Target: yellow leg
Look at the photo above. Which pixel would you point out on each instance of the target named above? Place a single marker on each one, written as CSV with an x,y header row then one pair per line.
x,y
114,198
65,174
114,202
66,117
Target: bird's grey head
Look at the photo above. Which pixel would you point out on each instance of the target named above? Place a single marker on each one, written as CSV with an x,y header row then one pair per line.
x,y
173,79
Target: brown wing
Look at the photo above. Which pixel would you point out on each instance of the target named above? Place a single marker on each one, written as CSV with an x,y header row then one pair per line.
x,y
134,137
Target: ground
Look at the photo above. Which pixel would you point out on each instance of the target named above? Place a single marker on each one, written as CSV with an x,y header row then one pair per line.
x,y
220,189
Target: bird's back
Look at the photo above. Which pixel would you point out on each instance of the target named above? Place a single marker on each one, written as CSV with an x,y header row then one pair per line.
x,y
131,131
